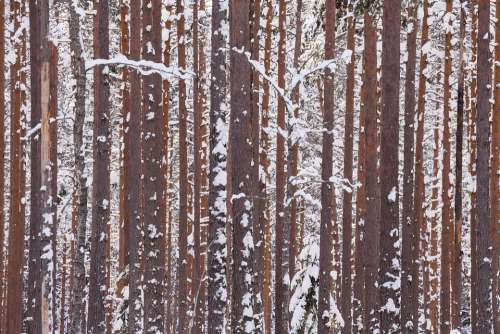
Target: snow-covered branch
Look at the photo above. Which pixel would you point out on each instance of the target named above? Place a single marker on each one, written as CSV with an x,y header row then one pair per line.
x,y
145,67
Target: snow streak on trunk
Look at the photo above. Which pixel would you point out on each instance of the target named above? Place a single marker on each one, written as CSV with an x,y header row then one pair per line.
x,y
389,267
327,186
217,250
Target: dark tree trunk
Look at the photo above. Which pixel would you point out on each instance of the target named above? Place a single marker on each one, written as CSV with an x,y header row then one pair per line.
x,y
182,288
372,188
346,277
457,237
14,270
100,181
410,238
327,186
78,278
242,320
389,194
483,256
216,261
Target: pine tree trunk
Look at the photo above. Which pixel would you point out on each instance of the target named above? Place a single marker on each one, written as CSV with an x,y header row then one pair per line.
x,y
419,193
483,256
78,70
153,178
389,194
3,281
216,257
456,276
132,175
14,270
346,277
282,225
327,186
100,181
241,133
495,181
371,237
410,238
264,212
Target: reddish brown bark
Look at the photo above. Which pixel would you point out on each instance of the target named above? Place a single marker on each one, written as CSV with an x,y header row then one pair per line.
x,y
327,187
3,281
483,256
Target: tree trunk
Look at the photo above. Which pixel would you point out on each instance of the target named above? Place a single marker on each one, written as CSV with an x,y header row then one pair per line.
x,y
282,225
78,278
495,182
14,270
100,180
153,178
242,320
327,186
389,194
419,193
410,238
216,260
371,237
457,237
132,172
3,281
483,256
346,277
264,212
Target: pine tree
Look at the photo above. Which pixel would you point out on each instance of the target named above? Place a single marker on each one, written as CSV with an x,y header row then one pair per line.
x,y
389,194
327,186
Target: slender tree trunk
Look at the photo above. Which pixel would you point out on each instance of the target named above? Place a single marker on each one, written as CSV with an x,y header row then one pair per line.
x,y
100,181
444,292
78,68
123,253
216,260
410,238
327,187
3,281
483,256
258,231
64,266
242,320
52,181
358,286
456,277
169,287
154,196
346,277
14,279
419,193
472,171
389,194
495,182
282,225
264,214
293,146
132,173
371,237
182,289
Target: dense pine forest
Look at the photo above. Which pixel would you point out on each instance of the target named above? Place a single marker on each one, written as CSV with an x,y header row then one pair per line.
x,y
249,166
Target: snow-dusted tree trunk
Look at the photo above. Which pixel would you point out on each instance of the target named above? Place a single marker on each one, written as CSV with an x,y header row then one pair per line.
x,y
153,178
14,270
100,181
371,239
483,256
410,239
217,251
456,269
242,315
346,276
389,195
78,71
3,281
327,187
